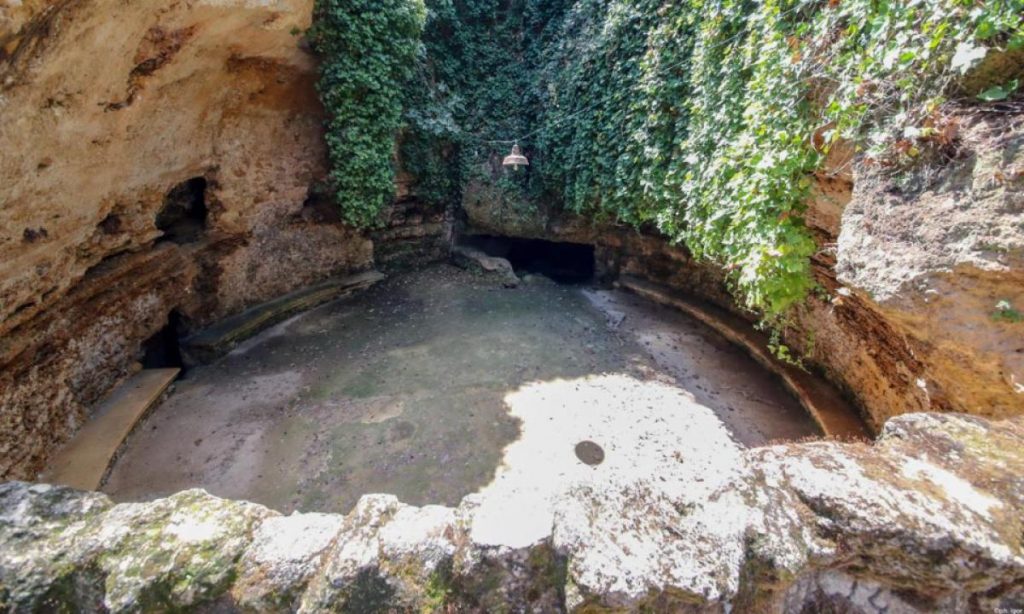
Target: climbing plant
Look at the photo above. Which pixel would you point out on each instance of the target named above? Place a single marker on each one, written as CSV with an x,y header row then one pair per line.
x,y
368,50
702,118
707,117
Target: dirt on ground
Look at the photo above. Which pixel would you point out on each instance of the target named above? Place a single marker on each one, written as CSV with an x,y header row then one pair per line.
x,y
438,384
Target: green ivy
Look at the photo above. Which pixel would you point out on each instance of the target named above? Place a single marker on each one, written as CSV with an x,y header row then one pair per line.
x,y
702,118
707,117
368,49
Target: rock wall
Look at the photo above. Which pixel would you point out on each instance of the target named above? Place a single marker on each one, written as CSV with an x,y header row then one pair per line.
x,y
940,252
915,267
414,234
73,352
921,272
109,106
926,520
108,112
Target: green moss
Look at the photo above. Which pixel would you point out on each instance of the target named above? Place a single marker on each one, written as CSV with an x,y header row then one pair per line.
x,y
548,572
439,588
760,577
368,49
159,571
1005,312
482,589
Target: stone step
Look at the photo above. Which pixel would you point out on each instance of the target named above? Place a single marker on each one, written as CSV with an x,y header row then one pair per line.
x,y
211,343
834,414
84,461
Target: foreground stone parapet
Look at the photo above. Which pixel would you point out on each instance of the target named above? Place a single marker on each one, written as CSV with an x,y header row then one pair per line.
x,y
928,519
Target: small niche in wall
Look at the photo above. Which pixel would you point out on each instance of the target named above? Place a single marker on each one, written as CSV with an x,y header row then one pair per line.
x,y
320,208
183,215
163,350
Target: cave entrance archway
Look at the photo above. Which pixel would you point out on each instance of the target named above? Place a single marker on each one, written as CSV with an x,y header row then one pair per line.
x,y
565,263
183,215
163,349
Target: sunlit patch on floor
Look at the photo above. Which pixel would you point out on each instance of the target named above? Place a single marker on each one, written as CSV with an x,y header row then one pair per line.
x,y
440,384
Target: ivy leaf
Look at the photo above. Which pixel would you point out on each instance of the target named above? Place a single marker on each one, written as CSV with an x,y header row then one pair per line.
x,y
998,92
967,56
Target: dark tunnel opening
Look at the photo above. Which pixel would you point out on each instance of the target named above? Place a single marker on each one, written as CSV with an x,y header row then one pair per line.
x,y
565,263
163,349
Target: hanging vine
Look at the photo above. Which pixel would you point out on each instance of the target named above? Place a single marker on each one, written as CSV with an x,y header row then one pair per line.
x,y
368,50
700,116
704,118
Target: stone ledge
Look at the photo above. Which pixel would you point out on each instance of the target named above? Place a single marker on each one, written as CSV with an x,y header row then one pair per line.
x,y
209,344
836,417
84,461
925,520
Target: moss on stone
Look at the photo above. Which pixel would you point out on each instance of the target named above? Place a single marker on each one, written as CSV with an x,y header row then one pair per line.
x,y
439,588
547,571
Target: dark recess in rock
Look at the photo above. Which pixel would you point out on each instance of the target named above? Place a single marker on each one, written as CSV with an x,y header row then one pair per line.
x,y
162,350
567,263
183,216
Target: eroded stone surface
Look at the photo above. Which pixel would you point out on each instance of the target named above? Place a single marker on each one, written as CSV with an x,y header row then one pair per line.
x,y
928,519
107,115
940,250
473,259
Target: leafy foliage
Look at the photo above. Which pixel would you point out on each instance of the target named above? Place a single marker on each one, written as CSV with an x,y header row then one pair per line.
x,y
703,118
707,117
368,49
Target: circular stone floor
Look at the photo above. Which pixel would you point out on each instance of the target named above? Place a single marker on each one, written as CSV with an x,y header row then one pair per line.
x,y
438,384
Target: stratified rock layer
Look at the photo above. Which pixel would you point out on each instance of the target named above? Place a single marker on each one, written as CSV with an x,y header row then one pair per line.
x,y
109,110
939,250
110,106
928,519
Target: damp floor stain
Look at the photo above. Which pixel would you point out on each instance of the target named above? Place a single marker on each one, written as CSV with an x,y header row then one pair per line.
x,y
410,389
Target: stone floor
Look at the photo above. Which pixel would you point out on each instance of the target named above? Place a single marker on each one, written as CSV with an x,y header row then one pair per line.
x,y
440,384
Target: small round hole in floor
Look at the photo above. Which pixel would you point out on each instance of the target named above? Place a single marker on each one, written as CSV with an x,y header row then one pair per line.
x,y
590,453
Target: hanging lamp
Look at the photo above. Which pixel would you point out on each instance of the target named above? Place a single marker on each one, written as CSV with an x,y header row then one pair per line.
x,y
515,159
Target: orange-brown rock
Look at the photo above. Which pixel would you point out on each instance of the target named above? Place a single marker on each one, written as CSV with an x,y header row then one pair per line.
x,y
106,107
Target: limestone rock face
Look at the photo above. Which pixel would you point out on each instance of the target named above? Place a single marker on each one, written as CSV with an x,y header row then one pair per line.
x,y
109,106
927,519
75,351
490,210
284,553
108,110
940,250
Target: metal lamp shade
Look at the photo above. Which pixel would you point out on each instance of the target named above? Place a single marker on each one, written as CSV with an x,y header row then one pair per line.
x,y
515,159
